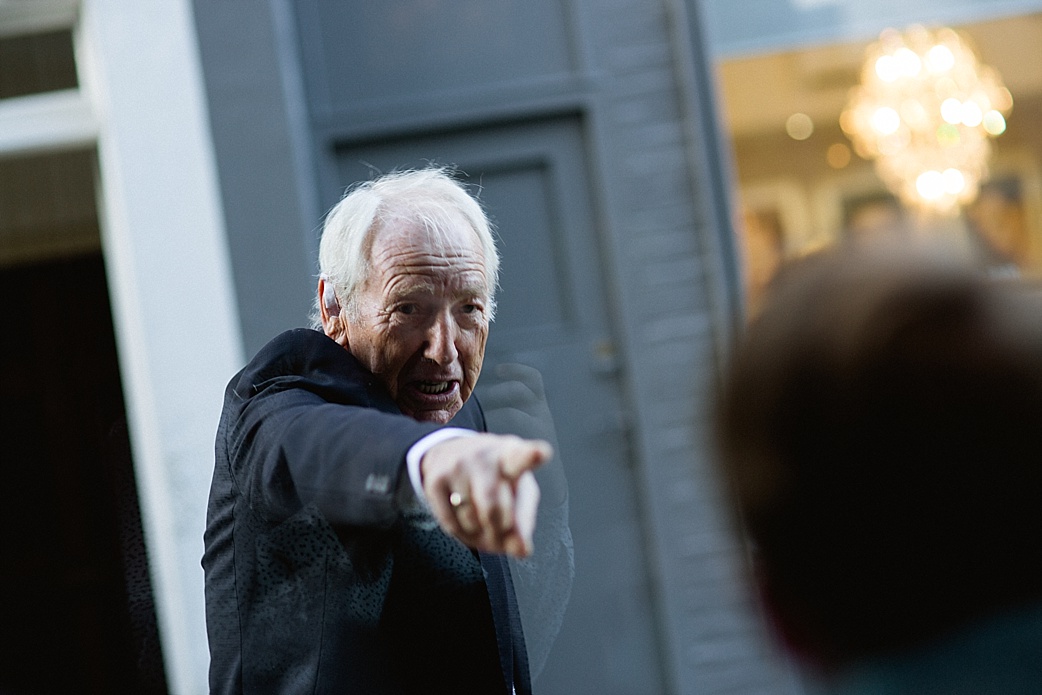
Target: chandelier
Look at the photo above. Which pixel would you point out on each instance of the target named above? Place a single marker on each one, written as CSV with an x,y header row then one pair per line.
x,y
925,111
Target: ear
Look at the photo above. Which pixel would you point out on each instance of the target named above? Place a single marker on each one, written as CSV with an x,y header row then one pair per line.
x,y
329,309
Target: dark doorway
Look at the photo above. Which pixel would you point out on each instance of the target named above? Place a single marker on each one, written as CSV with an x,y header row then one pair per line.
x,y
76,609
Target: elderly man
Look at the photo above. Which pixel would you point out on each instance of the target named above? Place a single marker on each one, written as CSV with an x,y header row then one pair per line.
x,y
355,544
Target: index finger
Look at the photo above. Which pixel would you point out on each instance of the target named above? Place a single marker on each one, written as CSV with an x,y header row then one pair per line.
x,y
525,455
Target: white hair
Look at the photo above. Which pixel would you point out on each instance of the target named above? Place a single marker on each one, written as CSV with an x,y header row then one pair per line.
x,y
430,196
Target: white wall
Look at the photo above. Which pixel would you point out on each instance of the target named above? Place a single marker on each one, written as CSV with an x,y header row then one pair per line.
x,y
176,322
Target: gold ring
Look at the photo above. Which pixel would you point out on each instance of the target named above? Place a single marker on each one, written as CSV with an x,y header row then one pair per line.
x,y
456,499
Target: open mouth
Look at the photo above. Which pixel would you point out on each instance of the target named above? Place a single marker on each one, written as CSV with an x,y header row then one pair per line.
x,y
429,399
434,388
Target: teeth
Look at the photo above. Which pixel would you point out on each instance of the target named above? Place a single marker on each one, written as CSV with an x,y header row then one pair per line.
x,y
433,387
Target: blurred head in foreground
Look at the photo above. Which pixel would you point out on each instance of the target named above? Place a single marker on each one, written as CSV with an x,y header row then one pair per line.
x,y
879,426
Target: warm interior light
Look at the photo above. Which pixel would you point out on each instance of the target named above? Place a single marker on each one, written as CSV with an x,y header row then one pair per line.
x,y
925,111
908,62
940,58
994,123
887,68
971,114
885,120
951,111
930,185
799,126
837,155
953,180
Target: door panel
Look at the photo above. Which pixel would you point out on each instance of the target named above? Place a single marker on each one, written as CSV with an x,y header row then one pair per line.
x,y
369,52
553,315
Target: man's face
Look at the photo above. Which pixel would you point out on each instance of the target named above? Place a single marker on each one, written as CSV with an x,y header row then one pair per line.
x,y
420,321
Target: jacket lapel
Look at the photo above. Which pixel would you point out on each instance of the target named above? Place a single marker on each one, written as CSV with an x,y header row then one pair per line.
x,y
513,656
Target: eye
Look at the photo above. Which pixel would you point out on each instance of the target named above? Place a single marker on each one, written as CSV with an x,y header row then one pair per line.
x,y
406,309
472,309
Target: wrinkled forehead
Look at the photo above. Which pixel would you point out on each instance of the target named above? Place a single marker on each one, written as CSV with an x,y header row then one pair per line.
x,y
440,227
450,241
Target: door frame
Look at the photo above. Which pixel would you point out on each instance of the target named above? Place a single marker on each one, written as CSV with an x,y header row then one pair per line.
x,y
163,241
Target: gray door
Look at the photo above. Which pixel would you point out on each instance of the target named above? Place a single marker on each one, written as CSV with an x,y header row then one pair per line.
x,y
554,315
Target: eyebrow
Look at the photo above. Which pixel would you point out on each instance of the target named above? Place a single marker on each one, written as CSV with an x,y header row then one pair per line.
x,y
411,288
414,288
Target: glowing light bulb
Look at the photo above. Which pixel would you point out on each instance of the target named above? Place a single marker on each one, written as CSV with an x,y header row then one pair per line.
x,y
799,126
953,181
885,120
887,68
951,111
994,123
940,59
930,185
908,62
970,114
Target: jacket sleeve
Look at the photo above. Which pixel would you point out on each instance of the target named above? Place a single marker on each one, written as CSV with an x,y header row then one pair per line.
x,y
302,429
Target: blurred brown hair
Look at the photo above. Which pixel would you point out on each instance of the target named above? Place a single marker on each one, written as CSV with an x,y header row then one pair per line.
x,y
878,424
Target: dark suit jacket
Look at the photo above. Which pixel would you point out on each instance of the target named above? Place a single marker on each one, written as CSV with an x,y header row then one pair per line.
x,y
318,579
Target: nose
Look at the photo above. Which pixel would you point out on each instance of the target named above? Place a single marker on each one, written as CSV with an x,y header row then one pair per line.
x,y
441,341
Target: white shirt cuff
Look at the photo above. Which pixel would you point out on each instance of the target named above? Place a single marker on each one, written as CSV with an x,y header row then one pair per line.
x,y
417,450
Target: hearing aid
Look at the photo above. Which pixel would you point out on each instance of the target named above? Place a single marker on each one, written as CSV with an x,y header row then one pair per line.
x,y
329,299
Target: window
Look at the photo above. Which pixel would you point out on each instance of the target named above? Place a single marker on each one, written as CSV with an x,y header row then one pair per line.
x,y
34,63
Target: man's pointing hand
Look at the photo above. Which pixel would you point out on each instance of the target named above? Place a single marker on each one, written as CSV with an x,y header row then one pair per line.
x,y
482,491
